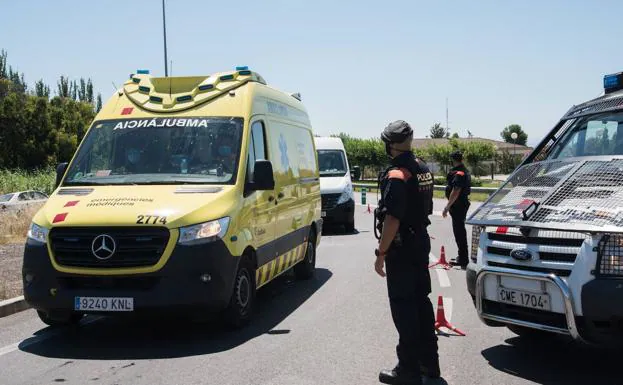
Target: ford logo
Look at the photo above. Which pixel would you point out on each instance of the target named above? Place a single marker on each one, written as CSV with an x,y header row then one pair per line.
x,y
521,254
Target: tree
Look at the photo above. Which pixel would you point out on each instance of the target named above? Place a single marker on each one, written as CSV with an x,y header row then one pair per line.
x,y
89,95
98,105
475,152
522,137
469,134
455,135
42,90
438,132
63,87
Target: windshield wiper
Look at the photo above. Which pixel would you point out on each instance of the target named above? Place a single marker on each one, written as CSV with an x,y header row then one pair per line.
x,y
92,183
172,182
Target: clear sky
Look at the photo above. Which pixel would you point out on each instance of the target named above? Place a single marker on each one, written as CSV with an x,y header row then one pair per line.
x,y
357,64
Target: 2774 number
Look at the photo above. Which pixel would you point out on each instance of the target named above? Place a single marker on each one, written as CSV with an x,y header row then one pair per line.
x,y
150,219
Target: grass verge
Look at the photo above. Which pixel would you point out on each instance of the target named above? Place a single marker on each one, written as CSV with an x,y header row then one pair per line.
x,y
19,180
14,223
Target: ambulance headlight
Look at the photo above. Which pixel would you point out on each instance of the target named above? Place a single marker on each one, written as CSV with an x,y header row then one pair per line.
x,y
610,255
37,233
347,194
204,232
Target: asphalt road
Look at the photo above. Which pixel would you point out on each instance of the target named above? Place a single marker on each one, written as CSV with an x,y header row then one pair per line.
x,y
335,329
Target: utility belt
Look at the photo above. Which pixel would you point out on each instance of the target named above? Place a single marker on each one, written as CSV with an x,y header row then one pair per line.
x,y
404,232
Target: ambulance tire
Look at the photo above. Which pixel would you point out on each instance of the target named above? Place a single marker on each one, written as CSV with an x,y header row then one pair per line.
x,y
307,267
242,303
59,320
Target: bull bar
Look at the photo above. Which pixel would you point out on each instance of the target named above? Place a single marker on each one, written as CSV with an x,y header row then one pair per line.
x,y
567,296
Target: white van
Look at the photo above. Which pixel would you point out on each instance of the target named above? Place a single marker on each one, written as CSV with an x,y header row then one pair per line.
x,y
336,188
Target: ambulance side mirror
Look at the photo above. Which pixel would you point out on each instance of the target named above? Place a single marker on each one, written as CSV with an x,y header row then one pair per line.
x,y
60,171
263,178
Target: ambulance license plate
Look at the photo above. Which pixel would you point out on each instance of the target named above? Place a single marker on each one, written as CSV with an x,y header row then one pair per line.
x,y
525,299
103,304
323,214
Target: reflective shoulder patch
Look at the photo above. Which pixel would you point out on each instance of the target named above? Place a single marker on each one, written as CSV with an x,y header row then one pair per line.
x,y
401,174
460,173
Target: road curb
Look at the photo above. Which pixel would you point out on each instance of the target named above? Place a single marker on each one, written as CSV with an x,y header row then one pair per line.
x,y
12,306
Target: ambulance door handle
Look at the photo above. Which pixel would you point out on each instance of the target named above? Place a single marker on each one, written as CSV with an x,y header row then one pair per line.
x,y
271,198
280,195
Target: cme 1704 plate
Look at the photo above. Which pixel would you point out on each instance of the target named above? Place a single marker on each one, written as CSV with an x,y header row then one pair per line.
x,y
523,298
104,304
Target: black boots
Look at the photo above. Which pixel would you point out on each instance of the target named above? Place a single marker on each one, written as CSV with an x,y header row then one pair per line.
x,y
399,376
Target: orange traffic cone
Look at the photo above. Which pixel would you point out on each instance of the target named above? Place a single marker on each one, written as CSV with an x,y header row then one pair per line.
x,y
442,260
442,321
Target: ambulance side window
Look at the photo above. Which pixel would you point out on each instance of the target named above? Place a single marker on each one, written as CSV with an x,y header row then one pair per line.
x,y
257,148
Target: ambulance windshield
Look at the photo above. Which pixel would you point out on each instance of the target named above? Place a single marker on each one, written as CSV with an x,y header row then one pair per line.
x,y
331,163
159,151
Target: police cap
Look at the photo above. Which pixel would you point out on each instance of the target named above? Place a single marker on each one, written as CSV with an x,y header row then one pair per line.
x,y
396,132
457,155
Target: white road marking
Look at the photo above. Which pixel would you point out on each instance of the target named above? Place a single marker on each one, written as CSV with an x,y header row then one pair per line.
x,y
447,306
40,338
442,274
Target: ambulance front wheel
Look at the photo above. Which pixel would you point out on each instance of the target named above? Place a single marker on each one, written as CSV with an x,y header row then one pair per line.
x,y
242,302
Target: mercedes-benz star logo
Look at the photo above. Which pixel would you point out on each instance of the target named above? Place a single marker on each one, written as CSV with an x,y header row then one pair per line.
x,y
103,247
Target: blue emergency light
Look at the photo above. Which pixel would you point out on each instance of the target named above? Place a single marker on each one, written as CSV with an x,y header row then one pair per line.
x,y
142,72
613,82
242,68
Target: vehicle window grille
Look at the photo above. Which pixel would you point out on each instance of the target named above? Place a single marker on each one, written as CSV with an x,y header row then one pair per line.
x,y
580,195
608,103
610,256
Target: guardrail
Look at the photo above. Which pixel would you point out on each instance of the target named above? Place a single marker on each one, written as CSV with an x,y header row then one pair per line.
x,y
486,190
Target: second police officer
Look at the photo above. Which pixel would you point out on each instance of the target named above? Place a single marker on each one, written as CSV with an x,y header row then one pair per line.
x,y
404,247
457,192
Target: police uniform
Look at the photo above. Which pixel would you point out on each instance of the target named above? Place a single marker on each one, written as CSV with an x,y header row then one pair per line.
x,y
406,194
459,177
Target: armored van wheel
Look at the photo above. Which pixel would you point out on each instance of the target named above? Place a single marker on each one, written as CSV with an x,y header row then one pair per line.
x,y
58,319
242,302
307,267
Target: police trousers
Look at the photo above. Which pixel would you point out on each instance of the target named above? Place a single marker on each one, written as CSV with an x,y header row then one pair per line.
x,y
458,212
408,285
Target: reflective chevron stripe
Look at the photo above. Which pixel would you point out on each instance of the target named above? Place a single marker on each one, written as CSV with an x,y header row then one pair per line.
x,y
279,265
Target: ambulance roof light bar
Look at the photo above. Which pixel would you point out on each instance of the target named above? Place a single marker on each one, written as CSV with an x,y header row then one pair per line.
x,y
613,82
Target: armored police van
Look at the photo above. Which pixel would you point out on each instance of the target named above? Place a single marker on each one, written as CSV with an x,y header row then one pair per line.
x,y
547,246
186,193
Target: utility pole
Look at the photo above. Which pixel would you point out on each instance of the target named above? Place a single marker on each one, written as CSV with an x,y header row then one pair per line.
x,y
447,126
164,29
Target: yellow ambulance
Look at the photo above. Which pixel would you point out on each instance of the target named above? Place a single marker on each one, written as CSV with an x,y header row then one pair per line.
x,y
186,193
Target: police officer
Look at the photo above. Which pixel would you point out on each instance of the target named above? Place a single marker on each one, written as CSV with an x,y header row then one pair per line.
x,y
457,191
404,248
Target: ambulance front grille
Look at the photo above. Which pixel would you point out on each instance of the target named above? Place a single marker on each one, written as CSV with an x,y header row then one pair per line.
x,y
133,246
